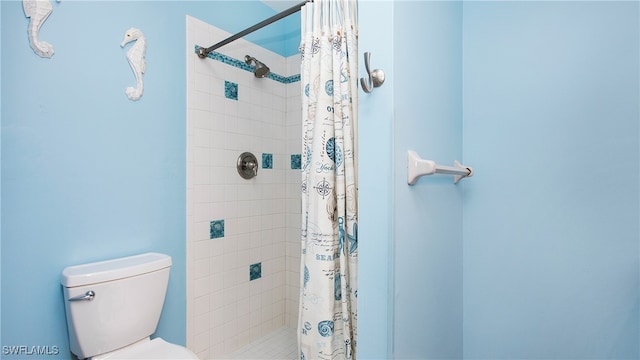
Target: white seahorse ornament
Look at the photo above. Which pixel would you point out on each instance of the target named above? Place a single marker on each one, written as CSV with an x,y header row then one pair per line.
x,y
135,56
38,11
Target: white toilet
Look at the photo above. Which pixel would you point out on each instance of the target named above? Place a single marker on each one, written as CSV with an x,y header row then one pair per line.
x,y
114,306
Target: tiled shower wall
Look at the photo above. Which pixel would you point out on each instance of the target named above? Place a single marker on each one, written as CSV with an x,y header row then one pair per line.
x,y
242,235
293,206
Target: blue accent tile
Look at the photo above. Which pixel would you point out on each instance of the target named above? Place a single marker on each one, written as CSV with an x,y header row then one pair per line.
x,y
255,271
293,78
216,229
267,161
296,161
231,90
240,64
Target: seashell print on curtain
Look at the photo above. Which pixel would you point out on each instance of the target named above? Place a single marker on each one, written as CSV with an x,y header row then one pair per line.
x,y
327,322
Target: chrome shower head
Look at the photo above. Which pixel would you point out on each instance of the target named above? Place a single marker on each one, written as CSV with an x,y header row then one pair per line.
x,y
261,70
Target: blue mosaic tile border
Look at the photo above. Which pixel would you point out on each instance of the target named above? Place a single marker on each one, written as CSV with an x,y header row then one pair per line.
x,y
244,66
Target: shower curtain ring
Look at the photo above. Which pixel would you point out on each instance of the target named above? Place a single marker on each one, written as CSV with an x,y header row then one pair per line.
x,y
376,77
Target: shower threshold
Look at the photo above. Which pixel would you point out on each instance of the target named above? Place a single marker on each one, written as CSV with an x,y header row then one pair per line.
x,y
280,344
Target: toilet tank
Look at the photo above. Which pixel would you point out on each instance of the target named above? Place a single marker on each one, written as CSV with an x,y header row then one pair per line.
x,y
128,294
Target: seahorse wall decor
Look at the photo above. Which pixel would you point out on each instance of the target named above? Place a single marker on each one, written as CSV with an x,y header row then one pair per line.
x,y
38,11
135,56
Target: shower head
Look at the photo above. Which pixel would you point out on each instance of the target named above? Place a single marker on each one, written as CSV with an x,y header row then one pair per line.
x,y
261,70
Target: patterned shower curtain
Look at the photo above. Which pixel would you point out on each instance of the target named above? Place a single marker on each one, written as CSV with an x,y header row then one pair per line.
x,y
327,322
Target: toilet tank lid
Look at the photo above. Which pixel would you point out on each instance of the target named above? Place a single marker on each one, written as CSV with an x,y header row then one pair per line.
x,y
108,270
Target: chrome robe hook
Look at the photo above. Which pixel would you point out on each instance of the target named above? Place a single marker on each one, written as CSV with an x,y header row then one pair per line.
x,y
376,77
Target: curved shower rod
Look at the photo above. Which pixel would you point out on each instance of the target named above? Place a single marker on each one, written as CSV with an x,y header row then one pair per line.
x,y
204,52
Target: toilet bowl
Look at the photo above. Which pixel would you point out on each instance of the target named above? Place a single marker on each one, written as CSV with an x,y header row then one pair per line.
x,y
113,307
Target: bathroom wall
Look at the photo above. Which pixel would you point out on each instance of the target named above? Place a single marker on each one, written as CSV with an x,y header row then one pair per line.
x,y
293,180
0,186
375,190
87,174
428,217
549,262
551,216
243,234
410,262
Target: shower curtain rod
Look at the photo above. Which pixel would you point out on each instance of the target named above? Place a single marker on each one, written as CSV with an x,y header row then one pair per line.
x,y
203,53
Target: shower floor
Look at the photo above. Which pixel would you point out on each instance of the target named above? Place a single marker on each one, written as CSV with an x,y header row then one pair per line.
x,y
280,344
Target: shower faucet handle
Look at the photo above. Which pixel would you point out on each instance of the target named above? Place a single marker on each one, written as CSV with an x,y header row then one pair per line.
x,y
247,165
252,166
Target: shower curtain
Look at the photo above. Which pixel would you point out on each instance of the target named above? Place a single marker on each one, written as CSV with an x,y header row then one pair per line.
x,y
327,322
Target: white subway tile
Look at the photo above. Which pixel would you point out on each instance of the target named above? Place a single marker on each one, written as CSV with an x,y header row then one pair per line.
x,y
264,119
201,341
201,287
201,268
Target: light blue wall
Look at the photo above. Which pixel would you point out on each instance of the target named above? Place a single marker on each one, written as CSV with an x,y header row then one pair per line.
x,y
87,174
0,185
551,236
547,264
410,252
428,215
375,195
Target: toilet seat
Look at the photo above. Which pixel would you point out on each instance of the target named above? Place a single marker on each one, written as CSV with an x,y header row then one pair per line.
x,y
156,349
